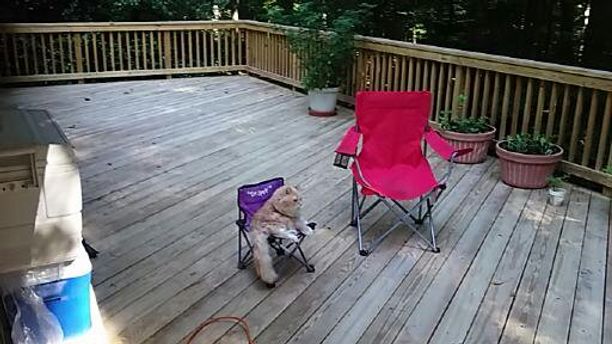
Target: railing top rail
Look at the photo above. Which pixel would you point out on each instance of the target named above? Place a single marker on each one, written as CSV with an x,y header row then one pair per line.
x,y
114,26
522,67
511,65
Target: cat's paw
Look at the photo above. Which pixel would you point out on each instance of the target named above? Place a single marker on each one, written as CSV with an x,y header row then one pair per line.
x,y
306,231
292,236
269,277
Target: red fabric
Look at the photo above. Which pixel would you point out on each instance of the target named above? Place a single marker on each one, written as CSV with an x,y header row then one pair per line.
x,y
391,158
348,145
438,144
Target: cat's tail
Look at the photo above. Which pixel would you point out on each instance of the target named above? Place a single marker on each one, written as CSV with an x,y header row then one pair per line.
x,y
263,258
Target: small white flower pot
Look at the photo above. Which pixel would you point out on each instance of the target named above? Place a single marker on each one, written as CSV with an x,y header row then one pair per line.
x,y
323,101
556,196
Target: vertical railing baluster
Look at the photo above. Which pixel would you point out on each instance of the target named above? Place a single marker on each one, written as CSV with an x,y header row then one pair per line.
x,y
552,110
575,138
111,43
120,47
505,107
440,92
516,106
190,48
564,113
475,95
539,107
128,48
95,51
104,58
457,87
144,50
52,51
527,108
486,93
467,91
605,131
86,48
590,130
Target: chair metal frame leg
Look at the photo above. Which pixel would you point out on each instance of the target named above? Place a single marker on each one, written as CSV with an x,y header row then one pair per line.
x,y
403,215
289,251
244,260
276,243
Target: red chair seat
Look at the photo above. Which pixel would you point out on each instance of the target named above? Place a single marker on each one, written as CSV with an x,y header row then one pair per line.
x,y
399,182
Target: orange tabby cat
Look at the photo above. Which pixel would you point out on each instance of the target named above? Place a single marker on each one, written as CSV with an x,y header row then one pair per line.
x,y
280,217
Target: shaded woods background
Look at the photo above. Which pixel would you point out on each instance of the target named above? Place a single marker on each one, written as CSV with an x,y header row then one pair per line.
x,y
575,32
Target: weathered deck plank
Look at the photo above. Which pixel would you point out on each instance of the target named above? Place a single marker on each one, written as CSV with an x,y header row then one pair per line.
x,y
523,319
459,314
357,320
161,159
557,310
389,321
607,322
492,313
587,315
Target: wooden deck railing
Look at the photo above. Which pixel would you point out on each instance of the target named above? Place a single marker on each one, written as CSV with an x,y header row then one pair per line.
x,y
573,105
47,52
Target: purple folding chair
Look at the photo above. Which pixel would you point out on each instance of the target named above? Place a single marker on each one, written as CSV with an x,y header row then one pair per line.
x,y
250,198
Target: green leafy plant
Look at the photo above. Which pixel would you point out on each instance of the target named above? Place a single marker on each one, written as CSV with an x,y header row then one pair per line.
x,y
556,182
464,124
530,144
607,169
324,46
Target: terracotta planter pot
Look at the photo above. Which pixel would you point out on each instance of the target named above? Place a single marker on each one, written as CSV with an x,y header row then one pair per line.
x,y
526,171
479,143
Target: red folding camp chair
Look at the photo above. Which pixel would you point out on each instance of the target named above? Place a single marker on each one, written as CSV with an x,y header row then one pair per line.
x,y
390,162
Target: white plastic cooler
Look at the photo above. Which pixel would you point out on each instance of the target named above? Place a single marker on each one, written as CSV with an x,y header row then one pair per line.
x,y
40,192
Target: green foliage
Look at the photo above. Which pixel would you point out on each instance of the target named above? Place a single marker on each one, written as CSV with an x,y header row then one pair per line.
x,y
111,10
324,46
530,144
553,31
556,182
464,124
608,169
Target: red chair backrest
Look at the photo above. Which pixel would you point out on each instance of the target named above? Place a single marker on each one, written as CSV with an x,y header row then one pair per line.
x,y
392,125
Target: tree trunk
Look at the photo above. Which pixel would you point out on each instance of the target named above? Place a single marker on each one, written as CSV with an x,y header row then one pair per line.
x,y
597,42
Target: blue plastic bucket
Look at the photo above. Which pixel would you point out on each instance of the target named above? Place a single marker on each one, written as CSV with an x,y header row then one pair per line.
x,y
68,300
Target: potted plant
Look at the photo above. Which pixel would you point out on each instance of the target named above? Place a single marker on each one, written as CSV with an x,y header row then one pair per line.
x,y
556,191
465,132
325,49
527,160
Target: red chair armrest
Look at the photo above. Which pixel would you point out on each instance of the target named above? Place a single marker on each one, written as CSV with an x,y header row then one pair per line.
x,y
443,148
348,145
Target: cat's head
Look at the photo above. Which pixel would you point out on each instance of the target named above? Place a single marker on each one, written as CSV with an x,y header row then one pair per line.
x,y
287,200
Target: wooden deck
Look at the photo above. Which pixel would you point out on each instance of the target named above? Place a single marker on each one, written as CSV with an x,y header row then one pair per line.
x,y
160,162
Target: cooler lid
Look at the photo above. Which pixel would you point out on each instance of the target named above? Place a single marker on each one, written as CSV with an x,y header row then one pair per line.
x,y
27,127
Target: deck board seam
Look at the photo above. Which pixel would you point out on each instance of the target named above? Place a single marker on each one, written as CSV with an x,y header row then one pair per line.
x,y
484,174
441,317
496,267
584,234
520,279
